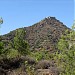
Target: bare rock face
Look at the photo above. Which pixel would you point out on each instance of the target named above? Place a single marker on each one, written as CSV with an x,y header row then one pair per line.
x,y
42,35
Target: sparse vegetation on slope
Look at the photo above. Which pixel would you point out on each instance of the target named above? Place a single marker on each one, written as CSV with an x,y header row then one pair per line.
x,y
44,47
65,56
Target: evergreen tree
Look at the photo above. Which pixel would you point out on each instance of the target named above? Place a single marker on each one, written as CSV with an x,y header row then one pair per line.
x,y
1,43
1,20
19,43
66,52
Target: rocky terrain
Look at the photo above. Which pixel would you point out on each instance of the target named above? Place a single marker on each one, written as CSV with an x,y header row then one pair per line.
x,y
43,35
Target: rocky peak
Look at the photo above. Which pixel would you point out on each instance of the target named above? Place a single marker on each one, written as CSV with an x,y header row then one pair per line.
x,y
44,34
52,21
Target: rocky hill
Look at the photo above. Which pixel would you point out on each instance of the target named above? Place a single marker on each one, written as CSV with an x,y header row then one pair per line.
x,y
42,38
42,35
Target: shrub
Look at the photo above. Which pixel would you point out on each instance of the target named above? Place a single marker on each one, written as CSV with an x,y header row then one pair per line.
x,y
12,54
20,44
28,59
1,47
1,20
42,54
43,64
65,56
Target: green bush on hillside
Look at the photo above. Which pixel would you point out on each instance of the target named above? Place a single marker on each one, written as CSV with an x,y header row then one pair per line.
x,y
1,43
12,54
19,43
1,47
65,56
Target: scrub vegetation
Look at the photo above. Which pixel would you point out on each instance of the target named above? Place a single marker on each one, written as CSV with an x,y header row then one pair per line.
x,y
41,53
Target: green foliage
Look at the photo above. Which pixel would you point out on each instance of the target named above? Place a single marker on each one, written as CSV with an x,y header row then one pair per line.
x,y
29,68
1,20
65,56
19,43
62,46
17,48
42,54
12,54
1,48
37,55
1,43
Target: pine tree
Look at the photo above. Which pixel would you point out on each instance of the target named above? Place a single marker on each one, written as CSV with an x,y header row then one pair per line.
x,y
19,43
66,53
1,20
1,43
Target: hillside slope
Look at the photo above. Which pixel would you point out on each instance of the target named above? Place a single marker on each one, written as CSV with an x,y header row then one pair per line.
x,y
42,35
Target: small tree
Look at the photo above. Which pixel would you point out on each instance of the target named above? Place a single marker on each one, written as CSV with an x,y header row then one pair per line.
x,y
1,43
1,47
19,43
66,53
1,20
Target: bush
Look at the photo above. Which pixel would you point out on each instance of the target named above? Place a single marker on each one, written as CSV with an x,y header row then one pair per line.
x,y
19,43
65,56
1,47
42,54
12,54
43,64
29,60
